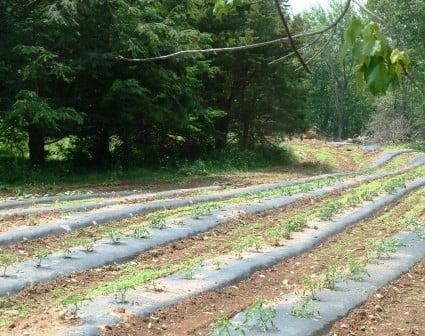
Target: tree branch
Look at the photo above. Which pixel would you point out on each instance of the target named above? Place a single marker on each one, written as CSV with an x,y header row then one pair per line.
x,y
367,11
242,47
291,41
418,85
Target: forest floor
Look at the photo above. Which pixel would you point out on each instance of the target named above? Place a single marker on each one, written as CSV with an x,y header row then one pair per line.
x,y
180,262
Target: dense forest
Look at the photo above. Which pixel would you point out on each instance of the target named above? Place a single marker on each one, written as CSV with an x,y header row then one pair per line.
x,y
65,92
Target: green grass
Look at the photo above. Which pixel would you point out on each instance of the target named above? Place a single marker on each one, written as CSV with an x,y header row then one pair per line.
x,y
18,177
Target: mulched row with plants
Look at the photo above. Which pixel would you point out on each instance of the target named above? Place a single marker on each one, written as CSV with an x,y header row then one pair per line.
x,y
346,252
394,310
147,275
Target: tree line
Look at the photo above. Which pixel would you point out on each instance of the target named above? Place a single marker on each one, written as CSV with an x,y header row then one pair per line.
x,y
61,77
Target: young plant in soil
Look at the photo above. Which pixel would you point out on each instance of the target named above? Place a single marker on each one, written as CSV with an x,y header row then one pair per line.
x,y
66,248
304,308
6,259
87,244
217,264
261,315
356,269
141,232
382,248
203,209
329,210
115,235
73,304
310,286
189,269
157,220
246,244
225,327
331,276
40,255
122,290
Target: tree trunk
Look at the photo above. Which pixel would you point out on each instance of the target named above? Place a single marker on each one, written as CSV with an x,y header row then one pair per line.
x,y
101,153
36,145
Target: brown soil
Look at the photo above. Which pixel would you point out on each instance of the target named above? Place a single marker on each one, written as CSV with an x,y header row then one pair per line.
x,y
395,310
194,316
13,222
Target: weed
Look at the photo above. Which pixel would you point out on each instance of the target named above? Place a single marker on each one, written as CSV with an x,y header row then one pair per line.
x,y
40,255
73,303
304,308
6,259
261,315
141,232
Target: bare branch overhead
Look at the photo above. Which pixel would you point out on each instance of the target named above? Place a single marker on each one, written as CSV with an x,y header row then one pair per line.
x,y
241,47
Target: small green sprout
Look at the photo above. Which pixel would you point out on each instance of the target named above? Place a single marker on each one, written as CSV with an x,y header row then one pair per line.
x,y
217,264
225,327
74,303
87,244
304,308
328,211
380,248
157,220
6,259
393,185
310,286
189,269
66,248
331,276
245,244
296,224
123,289
261,315
356,269
141,233
115,235
40,254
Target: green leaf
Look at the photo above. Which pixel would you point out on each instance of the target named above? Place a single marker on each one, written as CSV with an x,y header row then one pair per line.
x,y
353,31
400,57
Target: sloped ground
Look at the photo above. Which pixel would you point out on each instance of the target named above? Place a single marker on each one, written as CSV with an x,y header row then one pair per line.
x,y
184,284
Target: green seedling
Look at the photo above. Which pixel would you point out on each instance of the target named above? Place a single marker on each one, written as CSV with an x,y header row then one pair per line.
x,y
217,264
304,308
368,194
122,290
356,269
6,259
246,244
329,210
393,185
115,235
331,276
87,244
310,286
225,327
141,233
66,248
203,209
40,255
157,220
73,304
261,315
380,248
296,224
189,269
